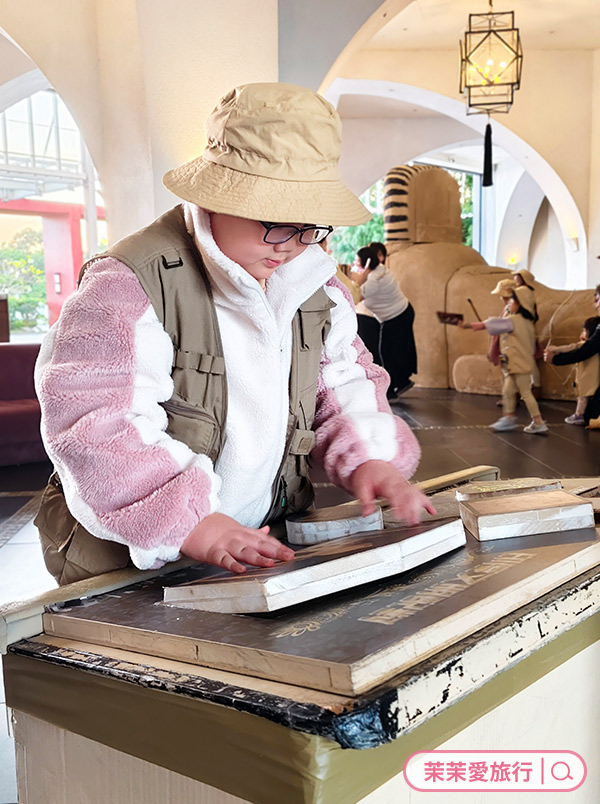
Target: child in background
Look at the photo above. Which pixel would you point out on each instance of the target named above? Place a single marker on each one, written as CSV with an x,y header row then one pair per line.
x,y
204,357
587,372
524,279
504,289
517,347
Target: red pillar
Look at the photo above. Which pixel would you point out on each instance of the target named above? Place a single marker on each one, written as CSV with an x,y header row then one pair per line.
x,y
62,258
63,251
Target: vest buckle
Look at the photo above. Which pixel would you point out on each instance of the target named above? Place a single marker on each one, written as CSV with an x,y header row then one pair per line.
x,y
174,264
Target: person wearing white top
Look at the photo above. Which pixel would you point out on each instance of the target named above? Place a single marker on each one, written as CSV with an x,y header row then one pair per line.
x,y
383,297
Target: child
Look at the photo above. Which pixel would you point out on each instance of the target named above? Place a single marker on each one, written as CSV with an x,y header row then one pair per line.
x,y
524,279
517,347
588,349
202,358
587,372
504,289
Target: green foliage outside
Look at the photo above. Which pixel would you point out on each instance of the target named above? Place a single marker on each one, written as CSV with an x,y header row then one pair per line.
x,y
465,183
23,280
346,241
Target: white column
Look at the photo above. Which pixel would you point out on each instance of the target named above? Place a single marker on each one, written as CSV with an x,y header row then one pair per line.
x,y
593,275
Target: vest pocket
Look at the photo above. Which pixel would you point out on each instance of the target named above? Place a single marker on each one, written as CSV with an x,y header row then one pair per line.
x,y
192,425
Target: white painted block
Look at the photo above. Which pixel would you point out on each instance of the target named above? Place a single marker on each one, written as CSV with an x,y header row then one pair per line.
x,y
526,514
325,524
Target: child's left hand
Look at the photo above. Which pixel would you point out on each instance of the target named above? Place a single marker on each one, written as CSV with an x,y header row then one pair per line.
x,y
374,479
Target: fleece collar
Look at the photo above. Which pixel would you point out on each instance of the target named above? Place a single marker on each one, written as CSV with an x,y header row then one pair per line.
x,y
289,286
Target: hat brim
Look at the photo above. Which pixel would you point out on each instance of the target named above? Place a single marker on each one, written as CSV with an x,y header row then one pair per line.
x,y
220,189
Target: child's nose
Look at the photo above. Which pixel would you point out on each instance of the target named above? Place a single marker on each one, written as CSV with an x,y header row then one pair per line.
x,y
289,245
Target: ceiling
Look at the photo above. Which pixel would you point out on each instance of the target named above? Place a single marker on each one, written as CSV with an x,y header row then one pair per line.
x,y
370,106
544,24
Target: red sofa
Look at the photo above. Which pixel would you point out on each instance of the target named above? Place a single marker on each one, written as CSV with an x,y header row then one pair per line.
x,y
20,440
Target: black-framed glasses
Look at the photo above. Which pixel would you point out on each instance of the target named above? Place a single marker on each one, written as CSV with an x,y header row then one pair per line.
x,y
281,233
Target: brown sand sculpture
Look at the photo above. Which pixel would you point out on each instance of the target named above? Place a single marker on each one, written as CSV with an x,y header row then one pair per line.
x,y
436,272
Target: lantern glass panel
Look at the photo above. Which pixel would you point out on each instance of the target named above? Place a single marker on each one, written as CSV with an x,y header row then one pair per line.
x,y
491,59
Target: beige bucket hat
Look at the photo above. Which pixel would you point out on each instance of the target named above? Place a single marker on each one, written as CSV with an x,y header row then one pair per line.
x,y
272,155
526,298
525,275
504,287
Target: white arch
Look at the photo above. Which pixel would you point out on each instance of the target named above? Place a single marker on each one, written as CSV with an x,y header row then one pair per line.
x,y
516,228
21,87
540,171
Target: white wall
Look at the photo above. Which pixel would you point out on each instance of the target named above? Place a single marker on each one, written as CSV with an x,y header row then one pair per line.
x,y
547,248
140,79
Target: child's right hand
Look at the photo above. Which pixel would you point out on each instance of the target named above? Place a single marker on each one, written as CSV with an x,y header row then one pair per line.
x,y
220,540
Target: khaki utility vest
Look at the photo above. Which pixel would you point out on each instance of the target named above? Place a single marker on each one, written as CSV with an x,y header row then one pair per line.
x,y
519,346
167,264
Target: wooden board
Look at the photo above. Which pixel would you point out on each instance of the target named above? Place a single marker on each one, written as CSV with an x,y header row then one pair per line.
x,y
497,488
347,643
525,514
322,569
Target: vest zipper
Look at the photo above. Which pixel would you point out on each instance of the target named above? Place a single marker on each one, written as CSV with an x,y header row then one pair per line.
x,y
188,410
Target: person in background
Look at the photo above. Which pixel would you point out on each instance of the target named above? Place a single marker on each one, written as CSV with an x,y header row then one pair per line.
x,y
524,279
369,328
517,347
587,372
383,297
380,250
583,352
504,289
343,274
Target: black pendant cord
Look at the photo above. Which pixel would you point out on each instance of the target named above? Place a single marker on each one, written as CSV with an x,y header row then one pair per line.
x,y
487,156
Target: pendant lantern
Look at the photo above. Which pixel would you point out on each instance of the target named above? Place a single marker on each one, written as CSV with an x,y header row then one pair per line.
x,y
491,58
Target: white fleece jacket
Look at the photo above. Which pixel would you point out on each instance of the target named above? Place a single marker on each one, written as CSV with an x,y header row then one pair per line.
x,y
105,367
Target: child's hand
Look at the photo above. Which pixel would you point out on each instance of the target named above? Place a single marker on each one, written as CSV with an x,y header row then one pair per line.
x,y
549,353
220,540
375,479
464,325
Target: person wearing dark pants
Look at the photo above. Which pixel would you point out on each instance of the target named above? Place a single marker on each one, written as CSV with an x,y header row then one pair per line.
x,y
394,313
584,352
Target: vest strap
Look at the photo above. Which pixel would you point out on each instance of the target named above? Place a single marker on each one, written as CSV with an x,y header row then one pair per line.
x,y
206,364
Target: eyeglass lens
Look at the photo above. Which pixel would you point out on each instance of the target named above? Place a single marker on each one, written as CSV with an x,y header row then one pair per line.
x,y
281,234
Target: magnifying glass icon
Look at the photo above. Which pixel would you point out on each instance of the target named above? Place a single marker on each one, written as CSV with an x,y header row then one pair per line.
x,y
561,778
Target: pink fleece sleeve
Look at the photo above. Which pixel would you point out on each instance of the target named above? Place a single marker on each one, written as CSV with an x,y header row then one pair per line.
x,y
354,422
100,383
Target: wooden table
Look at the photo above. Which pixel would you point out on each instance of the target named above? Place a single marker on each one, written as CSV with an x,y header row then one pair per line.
x,y
99,723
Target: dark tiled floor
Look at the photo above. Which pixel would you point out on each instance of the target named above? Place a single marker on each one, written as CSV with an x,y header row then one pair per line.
x,y
453,432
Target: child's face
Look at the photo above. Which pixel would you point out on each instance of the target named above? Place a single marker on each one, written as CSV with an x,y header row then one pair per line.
x,y
519,280
242,241
597,302
513,306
